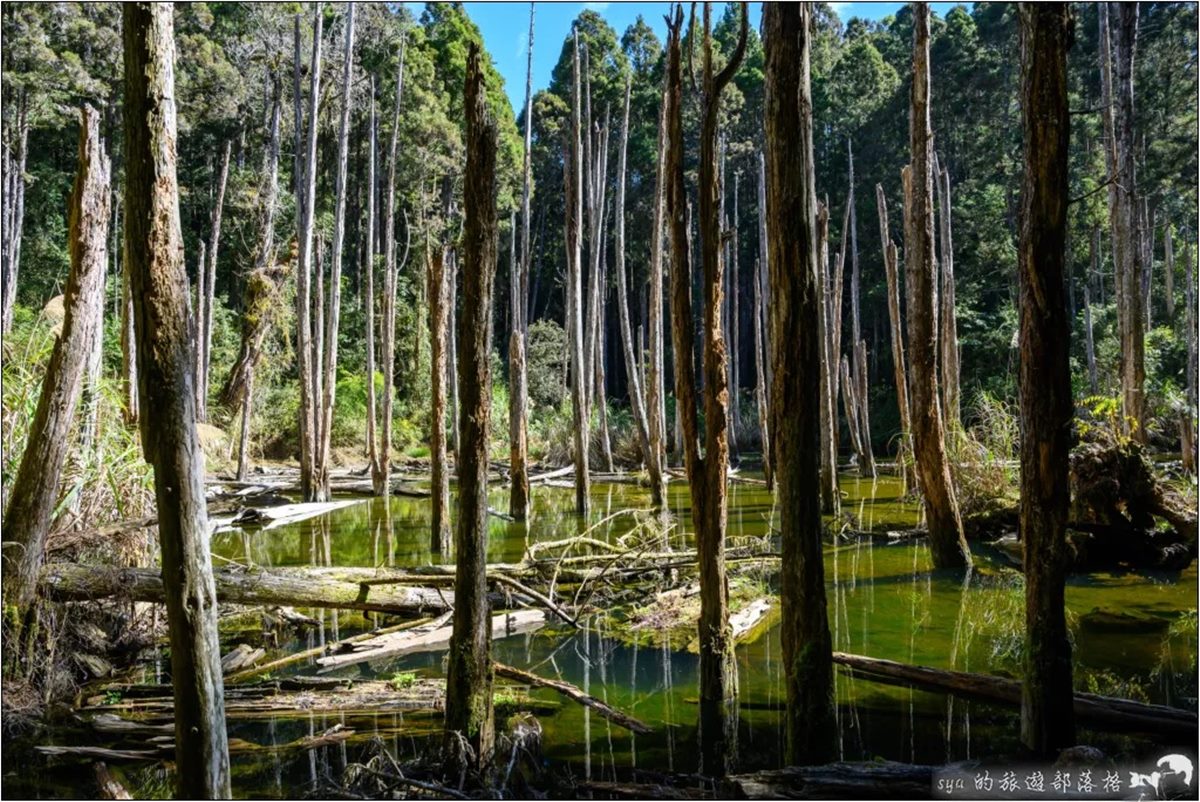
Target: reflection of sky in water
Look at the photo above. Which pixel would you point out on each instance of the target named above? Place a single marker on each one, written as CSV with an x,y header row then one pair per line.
x,y
883,600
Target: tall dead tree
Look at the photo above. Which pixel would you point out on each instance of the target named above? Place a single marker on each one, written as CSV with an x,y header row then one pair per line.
x,y
763,355
858,346
129,372
706,474
831,500
306,180
368,272
518,391
1188,423
333,316
1169,273
637,401
381,475
208,286
947,314
14,211
809,723
947,543
35,489
154,256
1047,716
899,370
572,222
655,392
1093,260
1117,52
469,716
439,302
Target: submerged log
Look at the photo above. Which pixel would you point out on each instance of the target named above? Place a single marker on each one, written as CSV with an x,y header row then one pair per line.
x,y
1122,715
298,587
883,780
572,692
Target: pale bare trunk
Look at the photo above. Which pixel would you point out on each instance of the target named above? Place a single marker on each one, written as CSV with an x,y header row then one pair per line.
x,y
210,285
1169,273
438,321
899,369
948,316
1093,380
368,269
573,170
655,392
830,497
518,500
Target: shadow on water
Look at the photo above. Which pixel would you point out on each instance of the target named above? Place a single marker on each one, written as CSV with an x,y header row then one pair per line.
x,y
884,601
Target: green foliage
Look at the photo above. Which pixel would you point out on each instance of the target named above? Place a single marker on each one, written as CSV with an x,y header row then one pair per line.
x,y
402,680
545,363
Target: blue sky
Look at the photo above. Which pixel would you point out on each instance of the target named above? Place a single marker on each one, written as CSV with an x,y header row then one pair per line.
x,y
505,28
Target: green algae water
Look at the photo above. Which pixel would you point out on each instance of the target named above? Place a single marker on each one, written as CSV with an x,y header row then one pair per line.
x,y
884,601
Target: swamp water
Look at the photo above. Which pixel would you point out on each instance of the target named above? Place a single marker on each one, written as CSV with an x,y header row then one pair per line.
x,y
884,601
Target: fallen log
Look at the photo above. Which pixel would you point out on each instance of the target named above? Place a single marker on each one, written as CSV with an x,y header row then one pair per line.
x,y
554,474
108,786
430,637
241,657
882,780
288,586
1123,715
576,694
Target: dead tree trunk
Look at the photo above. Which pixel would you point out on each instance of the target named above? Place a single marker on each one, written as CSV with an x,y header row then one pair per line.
x,y
636,400
831,500
655,391
1189,413
518,420
329,369
209,286
368,270
1169,273
306,171
573,181
15,216
35,490
1047,722
1094,256
469,717
899,370
154,256
452,346
600,387
947,543
438,322
763,356
947,316
706,474
760,386
858,347
809,723
380,478
735,394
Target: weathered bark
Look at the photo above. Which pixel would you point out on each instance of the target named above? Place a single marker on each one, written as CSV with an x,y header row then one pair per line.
x,y
946,540
35,489
760,387
154,258
599,394
866,466
380,477
573,182
452,346
208,286
129,371
469,715
1189,413
288,586
947,315
636,400
1169,273
1045,377
439,472
306,178
899,369
735,395
707,474
518,418
850,408
1117,101
858,366
333,318
1094,256
655,391
765,354
809,723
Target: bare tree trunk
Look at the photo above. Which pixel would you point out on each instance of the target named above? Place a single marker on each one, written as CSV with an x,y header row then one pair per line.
x,y
200,316
858,370
861,404
1169,273
16,213
899,370
35,489
947,543
765,353
735,396
948,316
1147,274
438,322
209,288
1189,413
369,303
655,392
329,389
380,478
636,400
727,292
831,500
760,387
452,347
850,410
518,421
1093,380
306,172
573,181
809,723
1047,717
154,258
469,715
129,371
706,474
